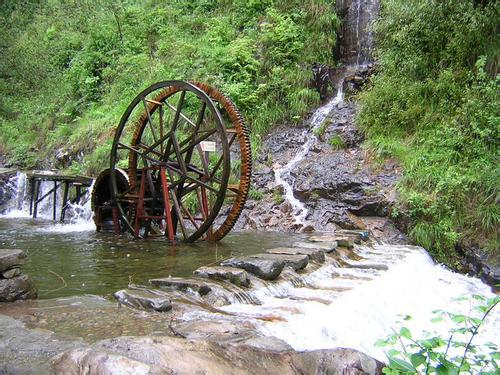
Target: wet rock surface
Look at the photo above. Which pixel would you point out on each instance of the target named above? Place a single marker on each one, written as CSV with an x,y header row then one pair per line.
x,y
236,276
337,180
145,299
11,258
146,355
26,351
296,262
327,247
20,287
180,283
315,255
266,269
14,285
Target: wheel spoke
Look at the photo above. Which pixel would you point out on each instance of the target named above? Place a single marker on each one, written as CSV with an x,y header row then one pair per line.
x,y
150,122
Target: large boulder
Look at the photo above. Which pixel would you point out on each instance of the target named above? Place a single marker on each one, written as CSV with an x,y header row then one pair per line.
x,y
20,287
169,355
11,258
236,276
144,299
266,269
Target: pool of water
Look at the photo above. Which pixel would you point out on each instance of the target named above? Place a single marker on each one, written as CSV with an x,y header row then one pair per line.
x,y
68,263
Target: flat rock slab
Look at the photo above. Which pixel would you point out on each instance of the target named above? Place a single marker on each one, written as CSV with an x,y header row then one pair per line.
x,y
361,234
266,269
341,240
20,287
313,254
237,276
327,247
183,284
297,261
11,258
144,299
172,355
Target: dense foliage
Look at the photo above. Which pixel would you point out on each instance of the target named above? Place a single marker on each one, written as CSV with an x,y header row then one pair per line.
x,y
448,354
68,69
434,107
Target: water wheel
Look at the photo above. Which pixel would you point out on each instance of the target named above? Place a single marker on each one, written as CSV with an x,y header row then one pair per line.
x,y
186,152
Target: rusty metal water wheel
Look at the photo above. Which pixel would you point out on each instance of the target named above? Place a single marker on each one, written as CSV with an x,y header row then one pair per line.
x,y
176,140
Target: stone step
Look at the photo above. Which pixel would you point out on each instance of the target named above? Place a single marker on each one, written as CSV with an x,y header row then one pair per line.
x,y
313,254
144,299
327,247
266,269
363,235
234,275
341,240
296,262
182,284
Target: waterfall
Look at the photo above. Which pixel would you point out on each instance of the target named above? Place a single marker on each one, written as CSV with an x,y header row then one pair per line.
x,y
282,174
79,215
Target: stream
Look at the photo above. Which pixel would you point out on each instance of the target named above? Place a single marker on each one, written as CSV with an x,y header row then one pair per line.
x,y
352,300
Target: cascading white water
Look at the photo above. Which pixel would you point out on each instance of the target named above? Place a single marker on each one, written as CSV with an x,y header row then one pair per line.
x,y
79,214
282,174
355,306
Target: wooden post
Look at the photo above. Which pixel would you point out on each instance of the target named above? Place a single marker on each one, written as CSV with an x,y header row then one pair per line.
x,y
35,197
32,191
54,203
64,201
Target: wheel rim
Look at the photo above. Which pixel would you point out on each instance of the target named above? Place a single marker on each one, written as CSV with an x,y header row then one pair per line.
x,y
169,125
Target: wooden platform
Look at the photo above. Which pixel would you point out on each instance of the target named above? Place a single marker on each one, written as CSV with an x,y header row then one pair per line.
x,y
73,187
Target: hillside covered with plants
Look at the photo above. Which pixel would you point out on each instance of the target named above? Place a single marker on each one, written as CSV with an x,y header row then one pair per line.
x,y
69,69
434,107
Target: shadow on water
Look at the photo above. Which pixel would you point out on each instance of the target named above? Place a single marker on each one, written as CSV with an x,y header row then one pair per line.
x,y
76,263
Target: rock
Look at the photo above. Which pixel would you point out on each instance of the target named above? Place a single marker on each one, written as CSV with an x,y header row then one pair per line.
x,y
171,355
236,276
28,351
144,299
13,272
266,269
20,287
341,240
179,283
296,261
325,246
362,234
214,330
11,258
100,362
313,254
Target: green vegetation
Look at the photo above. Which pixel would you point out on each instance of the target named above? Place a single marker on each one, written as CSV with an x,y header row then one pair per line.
x,y
336,142
255,194
69,69
434,107
321,129
435,354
